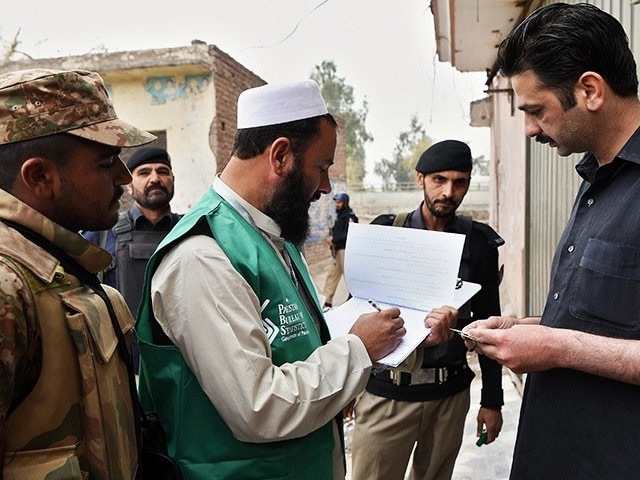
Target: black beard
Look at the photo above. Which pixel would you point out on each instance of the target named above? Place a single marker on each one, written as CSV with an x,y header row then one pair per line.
x,y
441,214
289,207
155,202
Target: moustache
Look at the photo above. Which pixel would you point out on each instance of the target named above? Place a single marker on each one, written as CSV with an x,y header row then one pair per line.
x,y
542,138
156,187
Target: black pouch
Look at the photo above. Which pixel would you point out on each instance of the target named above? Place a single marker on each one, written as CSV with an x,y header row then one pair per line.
x,y
156,464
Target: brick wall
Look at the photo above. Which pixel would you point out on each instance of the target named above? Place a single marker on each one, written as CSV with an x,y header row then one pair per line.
x,y
229,79
338,171
316,253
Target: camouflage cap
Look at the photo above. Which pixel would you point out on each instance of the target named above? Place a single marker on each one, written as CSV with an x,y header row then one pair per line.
x,y
36,103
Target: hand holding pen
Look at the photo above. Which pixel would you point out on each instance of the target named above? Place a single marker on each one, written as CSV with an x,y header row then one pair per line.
x,y
380,331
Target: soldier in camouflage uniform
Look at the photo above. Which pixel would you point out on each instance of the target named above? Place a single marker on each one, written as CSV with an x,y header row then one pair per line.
x,y
65,405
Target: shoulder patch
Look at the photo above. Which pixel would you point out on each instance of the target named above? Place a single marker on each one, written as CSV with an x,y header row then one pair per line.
x,y
124,224
36,284
489,233
384,219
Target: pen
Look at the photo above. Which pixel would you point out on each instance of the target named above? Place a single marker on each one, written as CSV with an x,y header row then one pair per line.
x,y
374,304
465,335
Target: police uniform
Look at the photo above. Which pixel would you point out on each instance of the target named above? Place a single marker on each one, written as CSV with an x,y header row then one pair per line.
x,y
445,377
132,241
429,406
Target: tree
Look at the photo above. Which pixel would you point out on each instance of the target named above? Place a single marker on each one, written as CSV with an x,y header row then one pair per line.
x,y
480,166
8,50
338,96
399,172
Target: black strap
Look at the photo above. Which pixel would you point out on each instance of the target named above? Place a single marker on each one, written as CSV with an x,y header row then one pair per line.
x,y
91,280
466,227
123,227
102,242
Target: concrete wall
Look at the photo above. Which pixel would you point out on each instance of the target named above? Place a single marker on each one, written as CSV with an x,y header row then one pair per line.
x,y
373,203
509,202
188,92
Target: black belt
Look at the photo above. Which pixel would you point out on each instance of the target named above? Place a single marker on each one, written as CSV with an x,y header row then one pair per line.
x,y
423,376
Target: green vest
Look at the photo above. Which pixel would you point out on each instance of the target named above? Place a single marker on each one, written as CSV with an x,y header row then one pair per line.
x,y
198,438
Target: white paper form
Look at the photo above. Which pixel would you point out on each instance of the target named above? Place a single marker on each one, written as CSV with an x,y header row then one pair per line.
x,y
341,319
408,267
413,269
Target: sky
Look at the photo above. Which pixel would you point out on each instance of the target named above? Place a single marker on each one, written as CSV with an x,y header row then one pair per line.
x,y
384,49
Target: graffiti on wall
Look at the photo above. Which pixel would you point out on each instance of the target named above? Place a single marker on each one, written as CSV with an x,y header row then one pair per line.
x,y
323,213
163,89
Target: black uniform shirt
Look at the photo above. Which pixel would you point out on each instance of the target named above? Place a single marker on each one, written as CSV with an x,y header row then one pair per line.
x,y
572,424
483,269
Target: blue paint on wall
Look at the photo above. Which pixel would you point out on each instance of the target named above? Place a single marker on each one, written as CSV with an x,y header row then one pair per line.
x,y
163,89
323,213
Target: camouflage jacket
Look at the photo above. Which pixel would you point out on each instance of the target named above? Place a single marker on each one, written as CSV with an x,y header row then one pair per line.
x,y
65,407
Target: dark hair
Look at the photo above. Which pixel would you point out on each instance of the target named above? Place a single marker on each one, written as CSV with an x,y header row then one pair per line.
x,y
251,142
560,42
13,155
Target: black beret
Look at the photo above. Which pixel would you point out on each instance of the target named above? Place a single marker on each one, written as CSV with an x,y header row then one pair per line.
x,y
445,155
148,155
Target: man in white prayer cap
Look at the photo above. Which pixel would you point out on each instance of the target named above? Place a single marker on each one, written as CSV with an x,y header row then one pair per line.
x,y
236,357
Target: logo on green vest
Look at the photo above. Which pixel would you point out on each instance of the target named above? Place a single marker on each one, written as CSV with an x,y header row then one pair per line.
x,y
292,321
269,327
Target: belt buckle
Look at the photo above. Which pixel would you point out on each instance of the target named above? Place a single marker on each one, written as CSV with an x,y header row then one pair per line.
x,y
424,375
436,376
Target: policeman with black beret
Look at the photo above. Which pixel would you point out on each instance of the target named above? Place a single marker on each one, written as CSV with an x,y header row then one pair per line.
x,y
141,228
429,406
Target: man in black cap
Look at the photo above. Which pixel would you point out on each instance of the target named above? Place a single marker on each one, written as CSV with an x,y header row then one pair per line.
x,y
337,241
140,229
429,406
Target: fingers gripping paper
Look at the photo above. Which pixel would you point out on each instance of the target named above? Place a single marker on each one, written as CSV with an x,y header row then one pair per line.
x,y
415,270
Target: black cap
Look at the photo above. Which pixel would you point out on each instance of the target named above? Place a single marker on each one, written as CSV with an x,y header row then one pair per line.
x,y
148,155
343,197
445,155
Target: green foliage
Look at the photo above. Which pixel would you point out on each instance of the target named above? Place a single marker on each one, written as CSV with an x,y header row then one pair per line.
x,y
339,98
399,172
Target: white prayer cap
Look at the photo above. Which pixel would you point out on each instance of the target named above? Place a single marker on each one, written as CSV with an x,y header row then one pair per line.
x,y
274,104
